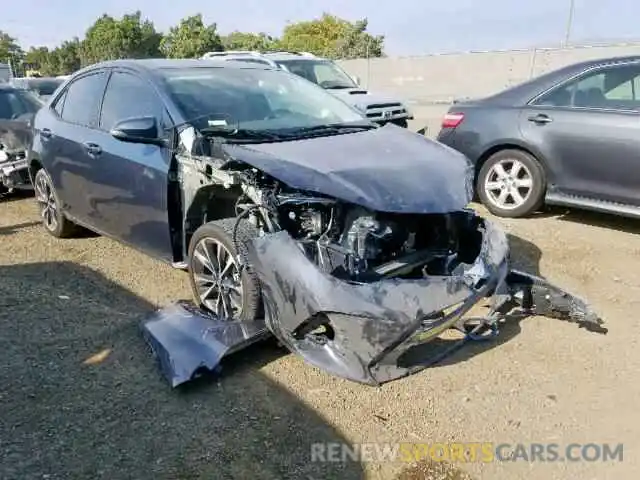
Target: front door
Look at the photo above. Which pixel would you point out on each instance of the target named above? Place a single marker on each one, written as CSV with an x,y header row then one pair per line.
x,y
67,137
589,132
131,196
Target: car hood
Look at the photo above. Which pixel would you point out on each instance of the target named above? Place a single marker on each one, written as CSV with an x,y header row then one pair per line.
x,y
361,98
387,169
15,135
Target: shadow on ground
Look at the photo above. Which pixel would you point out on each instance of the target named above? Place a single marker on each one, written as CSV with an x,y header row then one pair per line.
x,y
82,397
8,230
595,219
18,194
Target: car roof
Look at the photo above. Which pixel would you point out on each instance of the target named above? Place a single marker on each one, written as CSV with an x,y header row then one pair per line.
x,y
154,64
525,91
282,56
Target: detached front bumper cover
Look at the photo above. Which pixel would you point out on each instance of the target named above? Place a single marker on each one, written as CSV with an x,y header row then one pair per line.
x,y
369,333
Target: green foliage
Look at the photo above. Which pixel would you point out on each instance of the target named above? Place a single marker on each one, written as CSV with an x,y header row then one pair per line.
x,y
191,39
9,48
129,37
132,36
249,41
333,37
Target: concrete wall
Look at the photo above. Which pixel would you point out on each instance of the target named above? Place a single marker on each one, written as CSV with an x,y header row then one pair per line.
x,y
429,83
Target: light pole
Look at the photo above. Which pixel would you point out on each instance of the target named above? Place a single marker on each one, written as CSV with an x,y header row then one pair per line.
x,y
572,5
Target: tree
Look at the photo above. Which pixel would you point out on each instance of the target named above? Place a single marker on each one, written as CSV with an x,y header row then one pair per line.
x,y
9,48
332,37
357,43
67,56
191,39
249,41
37,58
110,39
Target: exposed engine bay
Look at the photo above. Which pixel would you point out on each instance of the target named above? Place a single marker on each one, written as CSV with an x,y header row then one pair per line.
x,y
13,169
14,141
351,242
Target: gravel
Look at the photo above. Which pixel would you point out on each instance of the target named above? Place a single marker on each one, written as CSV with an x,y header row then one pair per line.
x,y
82,398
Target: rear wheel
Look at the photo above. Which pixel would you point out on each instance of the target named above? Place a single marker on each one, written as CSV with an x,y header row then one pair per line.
x,y
511,183
53,220
218,283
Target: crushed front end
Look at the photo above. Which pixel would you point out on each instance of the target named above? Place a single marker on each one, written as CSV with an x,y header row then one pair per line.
x,y
14,140
13,169
367,330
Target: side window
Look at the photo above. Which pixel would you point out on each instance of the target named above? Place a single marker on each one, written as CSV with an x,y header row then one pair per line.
x,y
127,96
615,88
83,99
59,103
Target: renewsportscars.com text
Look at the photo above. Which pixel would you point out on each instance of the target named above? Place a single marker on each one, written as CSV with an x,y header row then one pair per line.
x,y
485,452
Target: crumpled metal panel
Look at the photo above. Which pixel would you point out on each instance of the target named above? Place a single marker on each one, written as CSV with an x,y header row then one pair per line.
x,y
369,325
373,332
188,341
369,169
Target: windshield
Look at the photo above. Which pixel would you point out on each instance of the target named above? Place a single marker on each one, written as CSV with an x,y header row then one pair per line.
x,y
15,103
321,72
254,99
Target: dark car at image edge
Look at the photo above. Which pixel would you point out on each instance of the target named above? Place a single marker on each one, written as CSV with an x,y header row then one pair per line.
x,y
568,137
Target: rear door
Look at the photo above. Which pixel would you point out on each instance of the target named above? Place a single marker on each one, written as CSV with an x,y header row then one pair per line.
x,y
132,178
588,129
67,136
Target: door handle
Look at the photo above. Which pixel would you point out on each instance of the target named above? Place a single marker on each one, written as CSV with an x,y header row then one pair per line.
x,y
93,148
540,118
46,133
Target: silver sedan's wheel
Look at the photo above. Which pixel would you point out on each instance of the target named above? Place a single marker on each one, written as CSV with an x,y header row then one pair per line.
x,y
511,183
508,184
217,278
47,203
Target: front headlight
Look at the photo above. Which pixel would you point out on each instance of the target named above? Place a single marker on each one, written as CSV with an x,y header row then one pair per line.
x,y
361,108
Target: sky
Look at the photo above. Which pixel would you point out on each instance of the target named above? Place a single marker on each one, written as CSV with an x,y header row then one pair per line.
x,y
411,27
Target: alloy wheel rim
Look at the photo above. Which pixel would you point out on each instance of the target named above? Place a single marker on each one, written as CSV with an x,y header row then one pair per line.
x,y
217,278
508,184
46,200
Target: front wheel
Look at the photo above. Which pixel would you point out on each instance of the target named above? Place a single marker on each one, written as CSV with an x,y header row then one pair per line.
x,y
511,183
217,281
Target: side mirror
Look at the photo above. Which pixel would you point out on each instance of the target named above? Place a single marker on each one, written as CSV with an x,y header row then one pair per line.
x,y
356,79
137,130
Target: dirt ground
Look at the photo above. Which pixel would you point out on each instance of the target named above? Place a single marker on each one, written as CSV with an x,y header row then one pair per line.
x,y
80,396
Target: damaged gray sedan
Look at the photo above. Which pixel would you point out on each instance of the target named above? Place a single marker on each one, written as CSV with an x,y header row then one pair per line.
x,y
293,215
17,108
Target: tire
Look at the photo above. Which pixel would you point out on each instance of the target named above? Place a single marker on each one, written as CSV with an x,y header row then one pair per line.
x,y
212,235
404,123
53,220
528,184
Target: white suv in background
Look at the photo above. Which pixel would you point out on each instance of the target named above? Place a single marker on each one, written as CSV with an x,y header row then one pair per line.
x,y
330,76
